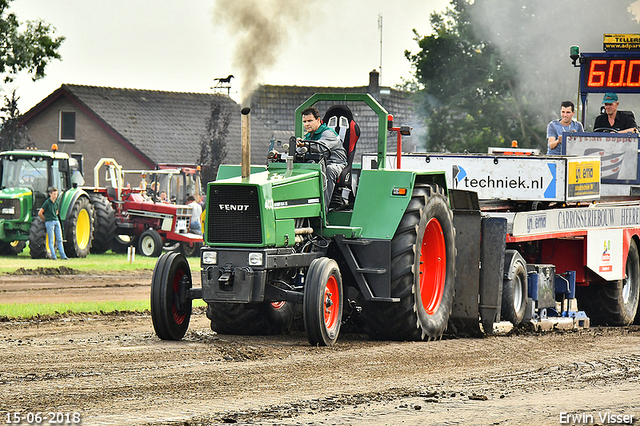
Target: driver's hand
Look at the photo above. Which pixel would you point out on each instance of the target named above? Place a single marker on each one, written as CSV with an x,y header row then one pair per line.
x,y
299,142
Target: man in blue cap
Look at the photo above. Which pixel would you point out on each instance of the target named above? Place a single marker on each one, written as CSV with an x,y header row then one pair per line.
x,y
614,120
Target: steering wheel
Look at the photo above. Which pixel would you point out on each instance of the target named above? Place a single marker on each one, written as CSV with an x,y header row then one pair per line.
x,y
605,130
304,153
27,178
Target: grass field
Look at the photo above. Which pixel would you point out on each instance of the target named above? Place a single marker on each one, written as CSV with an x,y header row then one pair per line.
x,y
94,263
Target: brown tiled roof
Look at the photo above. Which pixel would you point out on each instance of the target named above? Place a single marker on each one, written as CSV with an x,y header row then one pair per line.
x,y
275,107
168,127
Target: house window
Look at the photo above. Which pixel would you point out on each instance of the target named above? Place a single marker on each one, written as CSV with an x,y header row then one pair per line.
x,y
67,126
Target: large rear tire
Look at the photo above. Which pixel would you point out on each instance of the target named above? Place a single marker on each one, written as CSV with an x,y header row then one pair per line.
x,y
514,289
422,272
615,302
104,224
322,303
250,319
170,306
78,229
150,243
38,239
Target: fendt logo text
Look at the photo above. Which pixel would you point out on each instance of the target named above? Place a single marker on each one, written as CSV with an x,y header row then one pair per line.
x,y
234,207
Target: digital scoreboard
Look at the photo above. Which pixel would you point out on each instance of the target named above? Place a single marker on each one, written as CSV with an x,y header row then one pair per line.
x,y
617,72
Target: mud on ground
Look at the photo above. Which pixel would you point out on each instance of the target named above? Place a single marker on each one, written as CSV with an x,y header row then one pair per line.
x,y
112,369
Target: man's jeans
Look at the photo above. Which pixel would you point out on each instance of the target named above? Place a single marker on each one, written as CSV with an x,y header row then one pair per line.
x,y
54,229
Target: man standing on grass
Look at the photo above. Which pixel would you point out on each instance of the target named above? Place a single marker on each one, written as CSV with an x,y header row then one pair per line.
x,y
49,214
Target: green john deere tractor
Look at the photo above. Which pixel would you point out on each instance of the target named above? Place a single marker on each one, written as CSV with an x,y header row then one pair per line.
x,y
25,176
273,249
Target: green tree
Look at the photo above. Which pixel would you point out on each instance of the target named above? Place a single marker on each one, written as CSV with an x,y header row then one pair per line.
x,y
213,145
28,49
12,134
492,70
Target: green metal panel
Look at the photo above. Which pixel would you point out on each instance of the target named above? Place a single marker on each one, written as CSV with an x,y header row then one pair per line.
x,y
285,233
376,210
351,97
226,171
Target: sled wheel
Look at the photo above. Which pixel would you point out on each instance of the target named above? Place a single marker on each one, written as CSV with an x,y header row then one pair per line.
x,y
422,272
322,304
78,229
150,243
614,302
170,305
514,289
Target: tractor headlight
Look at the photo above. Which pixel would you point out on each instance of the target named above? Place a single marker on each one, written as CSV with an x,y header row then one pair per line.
x,y
9,210
255,259
209,257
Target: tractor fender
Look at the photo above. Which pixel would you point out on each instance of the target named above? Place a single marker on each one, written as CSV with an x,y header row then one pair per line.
x,y
70,197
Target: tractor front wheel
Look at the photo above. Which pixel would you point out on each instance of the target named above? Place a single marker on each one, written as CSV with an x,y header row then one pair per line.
x,y
251,319
170,304
150,243
322,303
12,248
78,229
38,239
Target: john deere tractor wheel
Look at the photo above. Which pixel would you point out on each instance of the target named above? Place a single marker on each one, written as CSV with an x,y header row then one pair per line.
x,y
422,272
614,302
104,224
514,287
170,305
13,248
322,305
78,229
150,243
38,239
251,319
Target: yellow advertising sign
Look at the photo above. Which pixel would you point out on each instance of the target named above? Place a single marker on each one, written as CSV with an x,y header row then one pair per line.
x,y
621,42
583,178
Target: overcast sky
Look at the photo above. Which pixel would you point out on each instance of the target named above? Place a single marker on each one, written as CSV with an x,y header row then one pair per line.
x,y
180,46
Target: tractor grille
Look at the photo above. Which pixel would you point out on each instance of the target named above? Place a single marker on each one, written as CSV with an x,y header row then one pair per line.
x,y
10,209
234,215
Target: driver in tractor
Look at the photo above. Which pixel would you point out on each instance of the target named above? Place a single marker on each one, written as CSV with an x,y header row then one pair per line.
x,y
317,131
613,120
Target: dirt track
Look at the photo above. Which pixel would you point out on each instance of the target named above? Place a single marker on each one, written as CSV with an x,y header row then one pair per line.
x,y
113,370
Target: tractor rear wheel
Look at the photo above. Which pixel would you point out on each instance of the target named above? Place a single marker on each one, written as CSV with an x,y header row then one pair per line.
x,y
250,319
422,272
615,302
150,243
12,248
38,239
322,303
78,229
104,224
170,305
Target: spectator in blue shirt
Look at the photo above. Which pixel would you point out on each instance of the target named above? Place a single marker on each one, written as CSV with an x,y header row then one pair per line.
x,y
564,124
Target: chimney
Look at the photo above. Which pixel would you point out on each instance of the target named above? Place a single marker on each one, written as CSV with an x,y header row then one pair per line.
x,y
374,84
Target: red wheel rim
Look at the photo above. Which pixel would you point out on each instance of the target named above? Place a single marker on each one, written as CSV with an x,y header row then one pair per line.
x,y
177,316
277,305
433,266
331,303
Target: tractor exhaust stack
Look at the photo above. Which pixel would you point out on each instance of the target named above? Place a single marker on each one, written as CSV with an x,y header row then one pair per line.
x,y
245,125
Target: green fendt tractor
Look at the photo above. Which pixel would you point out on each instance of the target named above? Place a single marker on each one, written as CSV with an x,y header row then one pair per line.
x,y
273,249
25,176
